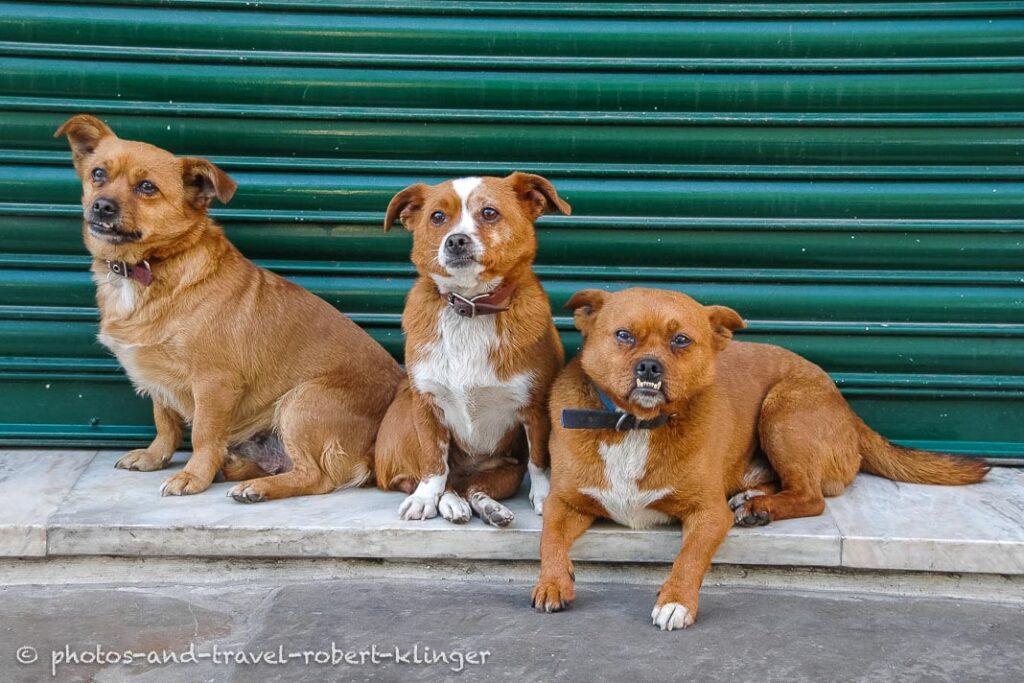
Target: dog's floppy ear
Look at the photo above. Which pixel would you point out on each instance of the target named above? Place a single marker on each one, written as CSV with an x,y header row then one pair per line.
x,y
204,181
585,304
404,206
538,195
84,132
724,321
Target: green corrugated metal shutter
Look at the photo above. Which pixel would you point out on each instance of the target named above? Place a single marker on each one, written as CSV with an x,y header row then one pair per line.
x,y
847,175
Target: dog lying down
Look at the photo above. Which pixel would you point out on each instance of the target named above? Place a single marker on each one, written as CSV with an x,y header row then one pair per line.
x,y
663,417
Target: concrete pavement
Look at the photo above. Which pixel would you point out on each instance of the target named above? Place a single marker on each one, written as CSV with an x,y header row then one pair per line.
x,y
742,634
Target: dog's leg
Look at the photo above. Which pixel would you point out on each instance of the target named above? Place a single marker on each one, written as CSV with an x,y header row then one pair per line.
x,y
563,524
538,429
484,489
215,406
737,502
169,430
434,440
706,528
811,444
327,436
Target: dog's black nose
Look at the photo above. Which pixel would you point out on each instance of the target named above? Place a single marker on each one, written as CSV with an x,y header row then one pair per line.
x,y
457,243
104,209
648,369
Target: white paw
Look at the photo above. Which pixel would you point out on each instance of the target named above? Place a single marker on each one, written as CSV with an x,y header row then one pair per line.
x,y
455,508
742,497
540,487
418,507
671,616
491,511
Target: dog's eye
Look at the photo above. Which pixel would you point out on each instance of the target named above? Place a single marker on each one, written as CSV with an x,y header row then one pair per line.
x,y
99,175
625,336
681,341
438,218
146,188
489,214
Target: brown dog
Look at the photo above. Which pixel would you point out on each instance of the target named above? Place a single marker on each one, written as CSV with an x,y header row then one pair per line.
x,y
481,351
267,373
705,425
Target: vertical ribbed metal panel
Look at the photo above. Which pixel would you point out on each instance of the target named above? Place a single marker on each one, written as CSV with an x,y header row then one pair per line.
x,y
846,175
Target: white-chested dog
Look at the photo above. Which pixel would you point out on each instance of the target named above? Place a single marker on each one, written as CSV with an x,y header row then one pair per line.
x,y
481,351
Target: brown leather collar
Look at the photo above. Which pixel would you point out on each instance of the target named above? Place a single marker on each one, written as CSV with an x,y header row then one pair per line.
x,y
485,304
141,272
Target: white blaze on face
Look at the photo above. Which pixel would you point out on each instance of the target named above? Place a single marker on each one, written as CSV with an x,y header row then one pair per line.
x,y
463,279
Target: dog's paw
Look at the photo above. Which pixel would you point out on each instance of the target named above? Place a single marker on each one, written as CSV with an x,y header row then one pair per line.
x,y
490,510
183,484
141,460
742,497
670,616
455,508
417,507
248,492
540,487
751,512
553,596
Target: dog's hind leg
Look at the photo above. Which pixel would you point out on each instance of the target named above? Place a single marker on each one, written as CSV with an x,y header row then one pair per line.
x,y
484,489
328,437
810,443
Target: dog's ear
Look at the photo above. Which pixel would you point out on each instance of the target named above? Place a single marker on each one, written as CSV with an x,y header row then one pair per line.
x,y
538,195
404,206
84,132
585,304
203,181
724,321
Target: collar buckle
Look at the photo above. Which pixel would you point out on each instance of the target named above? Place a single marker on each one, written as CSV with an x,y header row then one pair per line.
x,y
463,307
626,422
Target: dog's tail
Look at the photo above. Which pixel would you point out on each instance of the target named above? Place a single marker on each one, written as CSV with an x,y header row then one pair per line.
x,y
880,456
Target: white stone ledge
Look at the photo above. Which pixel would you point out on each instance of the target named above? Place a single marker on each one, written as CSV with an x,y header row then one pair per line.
x,y
76,504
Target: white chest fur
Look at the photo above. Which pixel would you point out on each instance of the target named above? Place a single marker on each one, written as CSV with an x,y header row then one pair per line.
x,y
120,295
458,372
625,464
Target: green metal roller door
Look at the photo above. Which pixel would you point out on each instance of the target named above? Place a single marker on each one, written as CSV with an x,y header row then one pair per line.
x,y
848,176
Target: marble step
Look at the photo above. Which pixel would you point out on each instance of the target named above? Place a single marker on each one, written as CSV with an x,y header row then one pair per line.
x,y
74,503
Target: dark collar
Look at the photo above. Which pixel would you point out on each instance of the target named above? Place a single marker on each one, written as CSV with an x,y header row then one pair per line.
x,y
485,304
141,272
609,418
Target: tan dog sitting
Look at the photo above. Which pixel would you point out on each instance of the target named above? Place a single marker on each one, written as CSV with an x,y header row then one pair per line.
x,y
661,417
481,351
272,378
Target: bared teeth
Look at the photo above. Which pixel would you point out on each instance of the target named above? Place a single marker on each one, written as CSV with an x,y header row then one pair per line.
x,y
643,384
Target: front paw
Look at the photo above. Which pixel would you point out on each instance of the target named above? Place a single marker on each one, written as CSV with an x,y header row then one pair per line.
x,y
540,487
418,507
184,484
142,460
553,595
455,508
670,616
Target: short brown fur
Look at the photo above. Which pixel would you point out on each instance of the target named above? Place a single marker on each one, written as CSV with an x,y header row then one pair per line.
x,y
256,364
746,417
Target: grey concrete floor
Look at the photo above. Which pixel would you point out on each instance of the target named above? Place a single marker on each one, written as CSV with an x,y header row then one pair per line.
x,y
742,634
